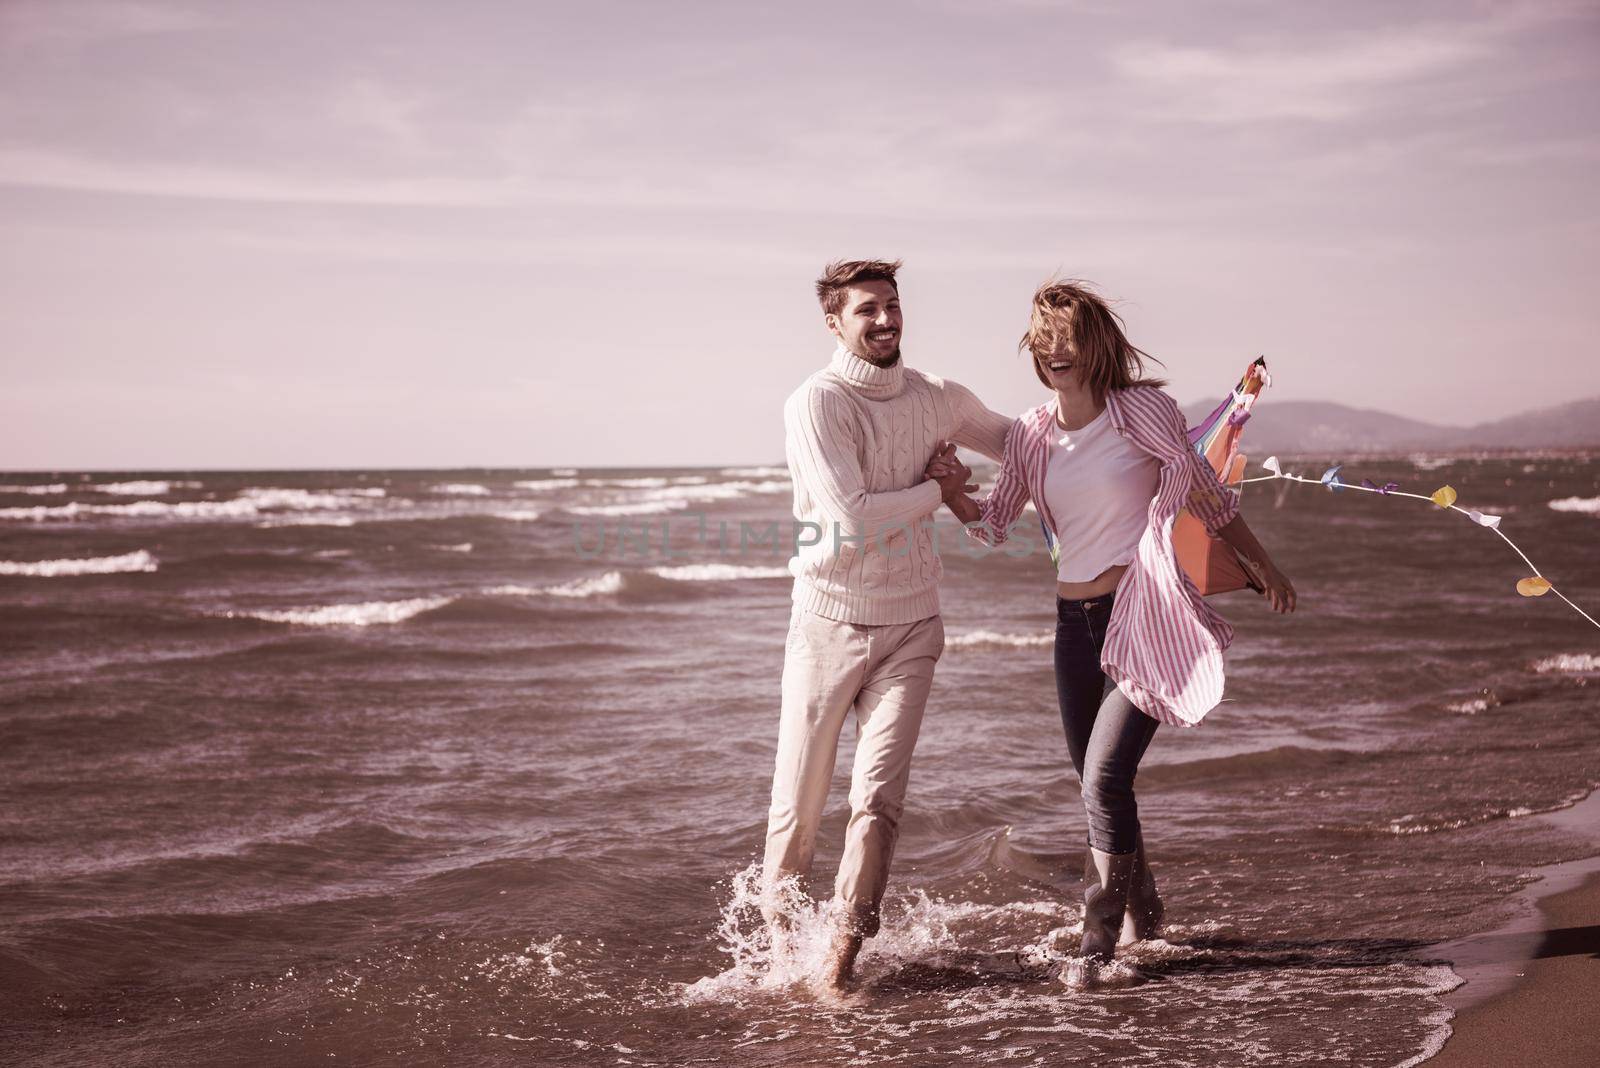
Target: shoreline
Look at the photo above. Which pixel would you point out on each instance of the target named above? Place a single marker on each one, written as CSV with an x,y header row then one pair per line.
x,y
1530,986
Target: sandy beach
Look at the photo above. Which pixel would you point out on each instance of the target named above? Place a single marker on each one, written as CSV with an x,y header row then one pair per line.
x,y
1549,1016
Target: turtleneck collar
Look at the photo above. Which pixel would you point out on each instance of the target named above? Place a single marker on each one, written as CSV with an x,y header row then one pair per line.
x,y
872,381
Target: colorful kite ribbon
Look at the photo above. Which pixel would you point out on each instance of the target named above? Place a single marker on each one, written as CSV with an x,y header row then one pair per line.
x,y
1536,585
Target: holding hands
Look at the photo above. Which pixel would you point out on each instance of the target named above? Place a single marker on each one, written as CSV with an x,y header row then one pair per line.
x,y
953,476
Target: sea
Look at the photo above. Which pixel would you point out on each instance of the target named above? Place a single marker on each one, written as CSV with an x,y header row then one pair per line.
x,y
471,767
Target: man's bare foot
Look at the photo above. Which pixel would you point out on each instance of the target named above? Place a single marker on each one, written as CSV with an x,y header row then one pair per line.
x,y
784,951
838,970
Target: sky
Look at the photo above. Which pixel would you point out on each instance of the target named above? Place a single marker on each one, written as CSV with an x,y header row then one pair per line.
x,y
299,234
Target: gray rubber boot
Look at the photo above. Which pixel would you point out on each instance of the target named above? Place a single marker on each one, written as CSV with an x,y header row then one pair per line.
x,y
1142,919
1105,899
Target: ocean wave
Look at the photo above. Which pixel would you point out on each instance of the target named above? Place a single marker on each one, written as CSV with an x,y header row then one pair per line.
x,y
143,487
1568,663
540,485
563,472
611,582
627,483
755,472
651,482
979,639
249,504
520,515
235,509
308,521
641,508
1585,505
273,497
463,547
1413,824
1261,765
717,491
47,490
462,489
141,560
1472,706
365,614
654,579
718,572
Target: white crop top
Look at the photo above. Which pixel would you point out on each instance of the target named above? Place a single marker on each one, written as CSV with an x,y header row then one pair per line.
x,y
1098,487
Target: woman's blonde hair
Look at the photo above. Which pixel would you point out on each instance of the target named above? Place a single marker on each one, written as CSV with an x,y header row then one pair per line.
x,y
1070,316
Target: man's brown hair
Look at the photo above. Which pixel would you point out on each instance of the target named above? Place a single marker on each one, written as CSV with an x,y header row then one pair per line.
x,y
1071,315
841,275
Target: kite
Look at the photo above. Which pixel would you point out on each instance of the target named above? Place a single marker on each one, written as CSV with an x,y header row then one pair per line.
x,y
1211,563
1444,498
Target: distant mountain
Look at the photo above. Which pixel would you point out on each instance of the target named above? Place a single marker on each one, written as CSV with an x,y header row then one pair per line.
x,y
1324,427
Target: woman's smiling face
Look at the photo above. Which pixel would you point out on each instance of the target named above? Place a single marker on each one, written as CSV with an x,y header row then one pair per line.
x,y
1062,366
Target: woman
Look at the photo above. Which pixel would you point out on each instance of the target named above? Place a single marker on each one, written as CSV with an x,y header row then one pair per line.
x,y
1107,464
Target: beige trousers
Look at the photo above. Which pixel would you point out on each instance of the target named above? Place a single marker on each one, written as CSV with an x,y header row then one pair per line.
x,y
884,674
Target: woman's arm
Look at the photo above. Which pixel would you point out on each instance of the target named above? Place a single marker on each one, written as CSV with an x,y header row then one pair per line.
x,y
1216,505
1274,583
990,519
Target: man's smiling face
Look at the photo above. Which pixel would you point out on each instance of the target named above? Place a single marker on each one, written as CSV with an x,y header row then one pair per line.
x,y
870,324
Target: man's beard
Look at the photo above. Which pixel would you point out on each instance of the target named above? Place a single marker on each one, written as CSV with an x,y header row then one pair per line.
x,y
882,361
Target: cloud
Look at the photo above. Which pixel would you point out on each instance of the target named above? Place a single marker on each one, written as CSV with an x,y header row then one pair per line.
x,y
1268,82
30,22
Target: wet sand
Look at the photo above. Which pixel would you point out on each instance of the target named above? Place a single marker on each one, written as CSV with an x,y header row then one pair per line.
x,y
1549,1016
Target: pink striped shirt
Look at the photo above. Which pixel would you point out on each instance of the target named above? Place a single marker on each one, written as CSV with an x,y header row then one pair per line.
x,y
1164,642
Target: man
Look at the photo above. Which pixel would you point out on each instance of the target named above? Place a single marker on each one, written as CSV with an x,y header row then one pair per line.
x,y
865,632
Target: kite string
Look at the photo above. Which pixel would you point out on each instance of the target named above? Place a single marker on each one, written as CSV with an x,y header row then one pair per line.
x,y
1454,508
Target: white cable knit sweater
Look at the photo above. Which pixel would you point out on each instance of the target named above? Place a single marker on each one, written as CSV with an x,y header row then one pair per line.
x,y
858,437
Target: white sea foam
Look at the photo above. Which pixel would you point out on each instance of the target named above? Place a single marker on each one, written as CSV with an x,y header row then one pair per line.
x,y
273,497
651,482
626,483
921,928
541,485
1585,505
718,572
365,614
235,509
143,488
641,508
715,491
756,472
463,547
47,490
563,472
140,560
978,639
520,515
614,582
609,583
249,504
1569,663
462,489
309,521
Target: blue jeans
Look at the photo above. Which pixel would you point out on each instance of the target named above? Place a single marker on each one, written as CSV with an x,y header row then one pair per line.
x,y
1106,733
